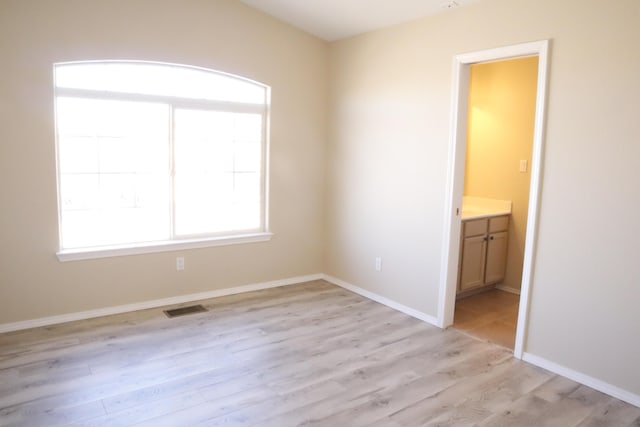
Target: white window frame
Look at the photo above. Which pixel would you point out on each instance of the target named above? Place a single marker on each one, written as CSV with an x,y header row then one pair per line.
x,y
261,235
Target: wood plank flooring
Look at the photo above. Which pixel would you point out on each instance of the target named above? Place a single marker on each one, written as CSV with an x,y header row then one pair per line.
x,y
311,354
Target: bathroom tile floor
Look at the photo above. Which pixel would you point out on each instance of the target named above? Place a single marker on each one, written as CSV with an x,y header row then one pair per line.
x,y
490,316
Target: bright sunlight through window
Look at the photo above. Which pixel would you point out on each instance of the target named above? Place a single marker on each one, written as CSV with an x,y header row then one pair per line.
x,y
151,155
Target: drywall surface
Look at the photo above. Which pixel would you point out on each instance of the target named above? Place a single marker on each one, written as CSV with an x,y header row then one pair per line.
x,y
387,163
389,120
502,109
222,35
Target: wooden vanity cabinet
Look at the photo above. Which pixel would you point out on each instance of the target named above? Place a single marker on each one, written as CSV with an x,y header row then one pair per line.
x,y
483,252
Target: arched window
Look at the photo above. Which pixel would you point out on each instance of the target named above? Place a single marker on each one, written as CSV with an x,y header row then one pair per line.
x,y
154,155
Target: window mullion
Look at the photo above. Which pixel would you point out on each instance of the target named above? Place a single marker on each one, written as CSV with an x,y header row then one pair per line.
x,y
177,102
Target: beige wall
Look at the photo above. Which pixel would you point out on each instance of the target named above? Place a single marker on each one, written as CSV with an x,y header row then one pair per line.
x,y
502,108
219,34
387,158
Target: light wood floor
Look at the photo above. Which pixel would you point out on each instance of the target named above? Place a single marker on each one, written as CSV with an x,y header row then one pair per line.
x,y
310,354
490,316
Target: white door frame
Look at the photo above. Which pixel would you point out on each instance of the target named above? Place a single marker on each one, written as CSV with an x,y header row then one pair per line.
x,y
455,178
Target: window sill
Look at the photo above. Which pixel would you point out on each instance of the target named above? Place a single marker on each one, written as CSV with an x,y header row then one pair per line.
x,y
153,247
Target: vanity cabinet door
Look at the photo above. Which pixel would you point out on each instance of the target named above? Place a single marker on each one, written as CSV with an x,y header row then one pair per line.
x,y
496,257
483,252
474,252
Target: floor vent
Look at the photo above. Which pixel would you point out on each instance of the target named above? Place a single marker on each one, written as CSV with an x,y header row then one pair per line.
x,y
183,311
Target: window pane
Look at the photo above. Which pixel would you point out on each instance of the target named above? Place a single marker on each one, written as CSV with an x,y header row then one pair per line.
x,y
246,215
79,191
114,171
78,154
247,187
117,191
247,157
217,172
137,168
159,79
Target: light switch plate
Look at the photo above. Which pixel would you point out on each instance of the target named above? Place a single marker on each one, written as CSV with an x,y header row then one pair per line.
x,y
523,166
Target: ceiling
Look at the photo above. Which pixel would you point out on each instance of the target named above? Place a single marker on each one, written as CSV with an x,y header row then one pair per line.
x,y
337,19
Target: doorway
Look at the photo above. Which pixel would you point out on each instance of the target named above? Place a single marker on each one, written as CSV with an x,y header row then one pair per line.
x,y
456,179
502,99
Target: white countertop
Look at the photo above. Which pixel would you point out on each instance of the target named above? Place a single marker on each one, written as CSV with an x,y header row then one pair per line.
x,y
480,207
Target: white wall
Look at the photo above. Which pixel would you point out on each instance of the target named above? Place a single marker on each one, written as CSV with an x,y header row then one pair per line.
x,y
387,155
220,34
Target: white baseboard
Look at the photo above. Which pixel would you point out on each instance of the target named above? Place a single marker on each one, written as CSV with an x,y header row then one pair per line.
x,y
382,300
180,299
581,378
508,289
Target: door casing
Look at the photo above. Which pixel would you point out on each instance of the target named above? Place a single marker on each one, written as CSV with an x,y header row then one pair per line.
x,y
456,170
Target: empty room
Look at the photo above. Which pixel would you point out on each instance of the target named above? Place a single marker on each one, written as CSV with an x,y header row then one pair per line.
x,y
336,212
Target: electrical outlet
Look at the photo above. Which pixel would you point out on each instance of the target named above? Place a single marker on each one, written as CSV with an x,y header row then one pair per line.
x,y
179,263
378,264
